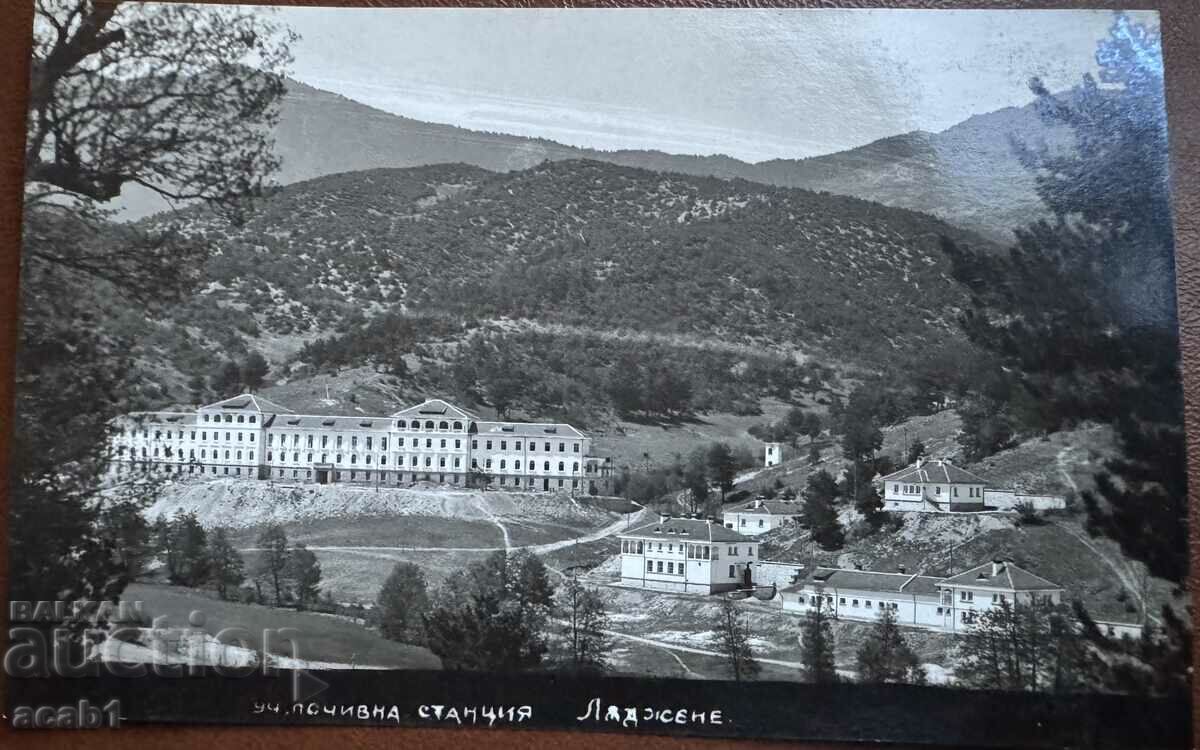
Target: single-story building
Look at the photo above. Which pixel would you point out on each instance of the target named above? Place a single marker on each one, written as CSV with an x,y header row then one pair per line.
x,y
932,486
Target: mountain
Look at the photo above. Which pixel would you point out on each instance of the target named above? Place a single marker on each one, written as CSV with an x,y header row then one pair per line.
x,y
582,265
967,175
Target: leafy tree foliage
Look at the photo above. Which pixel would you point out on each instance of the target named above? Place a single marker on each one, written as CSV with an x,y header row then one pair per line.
x,y
733,642
184,545
1023,647
818,512
403,604
226,567
586,620
254,370
817,646
886,657
120,94
273,559
493,616
304,572
721,467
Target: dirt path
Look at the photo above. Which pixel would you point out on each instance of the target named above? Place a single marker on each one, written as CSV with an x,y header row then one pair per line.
x,y
1119,567
487,512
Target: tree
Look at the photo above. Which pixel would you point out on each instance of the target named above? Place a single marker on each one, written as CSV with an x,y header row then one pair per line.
x,y
886,657
305,573
227,569
188,558
818,512
273,558
403,603
817,645
1082,313
254,370
493,615
721,467
796,423
1032,647
228,380
733,642
695,479
915,451
812,426
586,620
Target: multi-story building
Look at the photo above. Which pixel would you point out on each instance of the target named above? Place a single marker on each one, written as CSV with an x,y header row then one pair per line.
x,y
933,485
758,516
251,437
948,604
686,555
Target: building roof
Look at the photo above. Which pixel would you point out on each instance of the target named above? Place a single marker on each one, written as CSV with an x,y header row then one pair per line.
x,y
317,422
434,408
869,580
159,417
1007,576
695,529
768,507
934,472
249,402
527,429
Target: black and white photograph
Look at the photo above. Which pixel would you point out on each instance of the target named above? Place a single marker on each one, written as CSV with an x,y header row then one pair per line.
x,y
790,373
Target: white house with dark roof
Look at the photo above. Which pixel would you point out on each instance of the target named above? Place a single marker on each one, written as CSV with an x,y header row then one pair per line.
x,y
948,604
933,486
434,441
686,555
758,516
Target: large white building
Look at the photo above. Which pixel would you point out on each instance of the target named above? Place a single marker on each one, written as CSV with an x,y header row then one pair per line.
x,y
687,555
947,604
758,516
251,437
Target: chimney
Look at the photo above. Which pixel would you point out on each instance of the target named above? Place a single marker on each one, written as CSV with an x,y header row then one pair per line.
x,y
758,502
920,461
997,567
663,517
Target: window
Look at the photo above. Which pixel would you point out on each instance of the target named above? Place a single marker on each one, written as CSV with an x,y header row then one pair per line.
x,y
456,461
428,442
296,457
353,458
854,602
502,463
339,441
939,610
241,419
488,445
660,564
458,425
868,604
562,447
382,444
547,466
443,425
252,419
731,572
576,447
895,488
457,443
760,523
443,445
547,447
429,424
560,466
400,442
400,424
503,445
474,445
639,548
487,463
649,566
671,567
842,600
966,596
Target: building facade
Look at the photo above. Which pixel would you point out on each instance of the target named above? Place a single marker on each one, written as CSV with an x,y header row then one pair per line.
x,y
435,441
933,486
758,516
772,454
948,604
687,555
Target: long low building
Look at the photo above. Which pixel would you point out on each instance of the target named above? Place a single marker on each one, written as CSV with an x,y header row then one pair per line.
x,y
949,604
435,441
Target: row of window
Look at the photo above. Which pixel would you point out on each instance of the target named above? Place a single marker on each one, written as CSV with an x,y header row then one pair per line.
x,y
915,489
229,418
671,567
367,441
562,446
866,603
532,465
416,425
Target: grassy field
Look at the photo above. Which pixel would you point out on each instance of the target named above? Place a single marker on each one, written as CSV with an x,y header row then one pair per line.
x,y
322,637
384,531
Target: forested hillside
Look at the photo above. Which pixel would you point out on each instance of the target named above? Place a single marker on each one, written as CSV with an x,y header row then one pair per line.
x,y
583,244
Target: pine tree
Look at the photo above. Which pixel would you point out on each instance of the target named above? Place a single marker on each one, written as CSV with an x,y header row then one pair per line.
x,y
885,656
1022,647
733,642
228,380
818,512
273,558
817,646
586,620
304,572
403,603
721,467
695,479
227,569
188,560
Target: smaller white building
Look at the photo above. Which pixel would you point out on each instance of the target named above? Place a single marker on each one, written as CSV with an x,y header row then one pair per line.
x,y
947,604
758,516
773,455
687,555
933,486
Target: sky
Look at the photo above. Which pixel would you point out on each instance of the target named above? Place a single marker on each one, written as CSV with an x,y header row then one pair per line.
x,y
753,84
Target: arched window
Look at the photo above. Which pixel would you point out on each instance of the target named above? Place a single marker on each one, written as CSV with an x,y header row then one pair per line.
x,y
241,418
502,463
547,466
353,459
429,424
400,424
227,455
239,455
458,425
